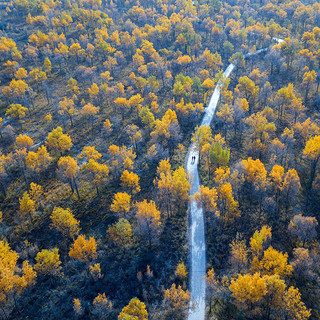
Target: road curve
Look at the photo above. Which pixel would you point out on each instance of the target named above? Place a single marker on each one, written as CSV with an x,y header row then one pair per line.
x,y
197,244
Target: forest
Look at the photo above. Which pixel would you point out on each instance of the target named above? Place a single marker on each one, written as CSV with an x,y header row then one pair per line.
x,y
99,103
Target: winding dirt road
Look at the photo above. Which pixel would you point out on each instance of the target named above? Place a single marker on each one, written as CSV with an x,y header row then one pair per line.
x,y
197,244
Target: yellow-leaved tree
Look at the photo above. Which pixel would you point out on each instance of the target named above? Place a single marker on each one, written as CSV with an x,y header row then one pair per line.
x,y
130,181
121,203
207,199
38,161
134,310
96,172
120,234
84,250
102,306
148,219
12,279
67,171
312,153
172,186
248,288
58,141
27,206
48,262
257,243
64,221
177,301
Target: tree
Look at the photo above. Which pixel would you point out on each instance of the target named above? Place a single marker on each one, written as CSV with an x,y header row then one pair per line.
x,y
209,85
36,193
273,300
239,254
248,289
260,127
135,135
181,271
75,50
228,207
73,88
67,107
23,141
122,104
90,111
58,141
219,156
11,280
94,91
38,161
201,136
47,65
48,262
167,130
121,203
121,234
312,153
62,53
135,102
302,263
17,112
18,89
181,187
291,186
95,271
130,181
276,177
213,286
148,218
303,227
177,299
89,153
122,157
259,239
248,90
255,173
107,126
38,76
1,125
64,221
275,262
78,310
27,206
19,157
212,60
84,250
308,79
97,172
101,306
164,184
207,199
21,73
68,169
134,310
295,309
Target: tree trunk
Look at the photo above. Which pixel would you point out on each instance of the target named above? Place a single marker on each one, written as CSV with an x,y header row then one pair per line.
x,y
75,184
4,190
313,172
71,186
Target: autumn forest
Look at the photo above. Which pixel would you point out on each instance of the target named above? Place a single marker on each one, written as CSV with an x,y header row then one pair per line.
x,y
101,103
